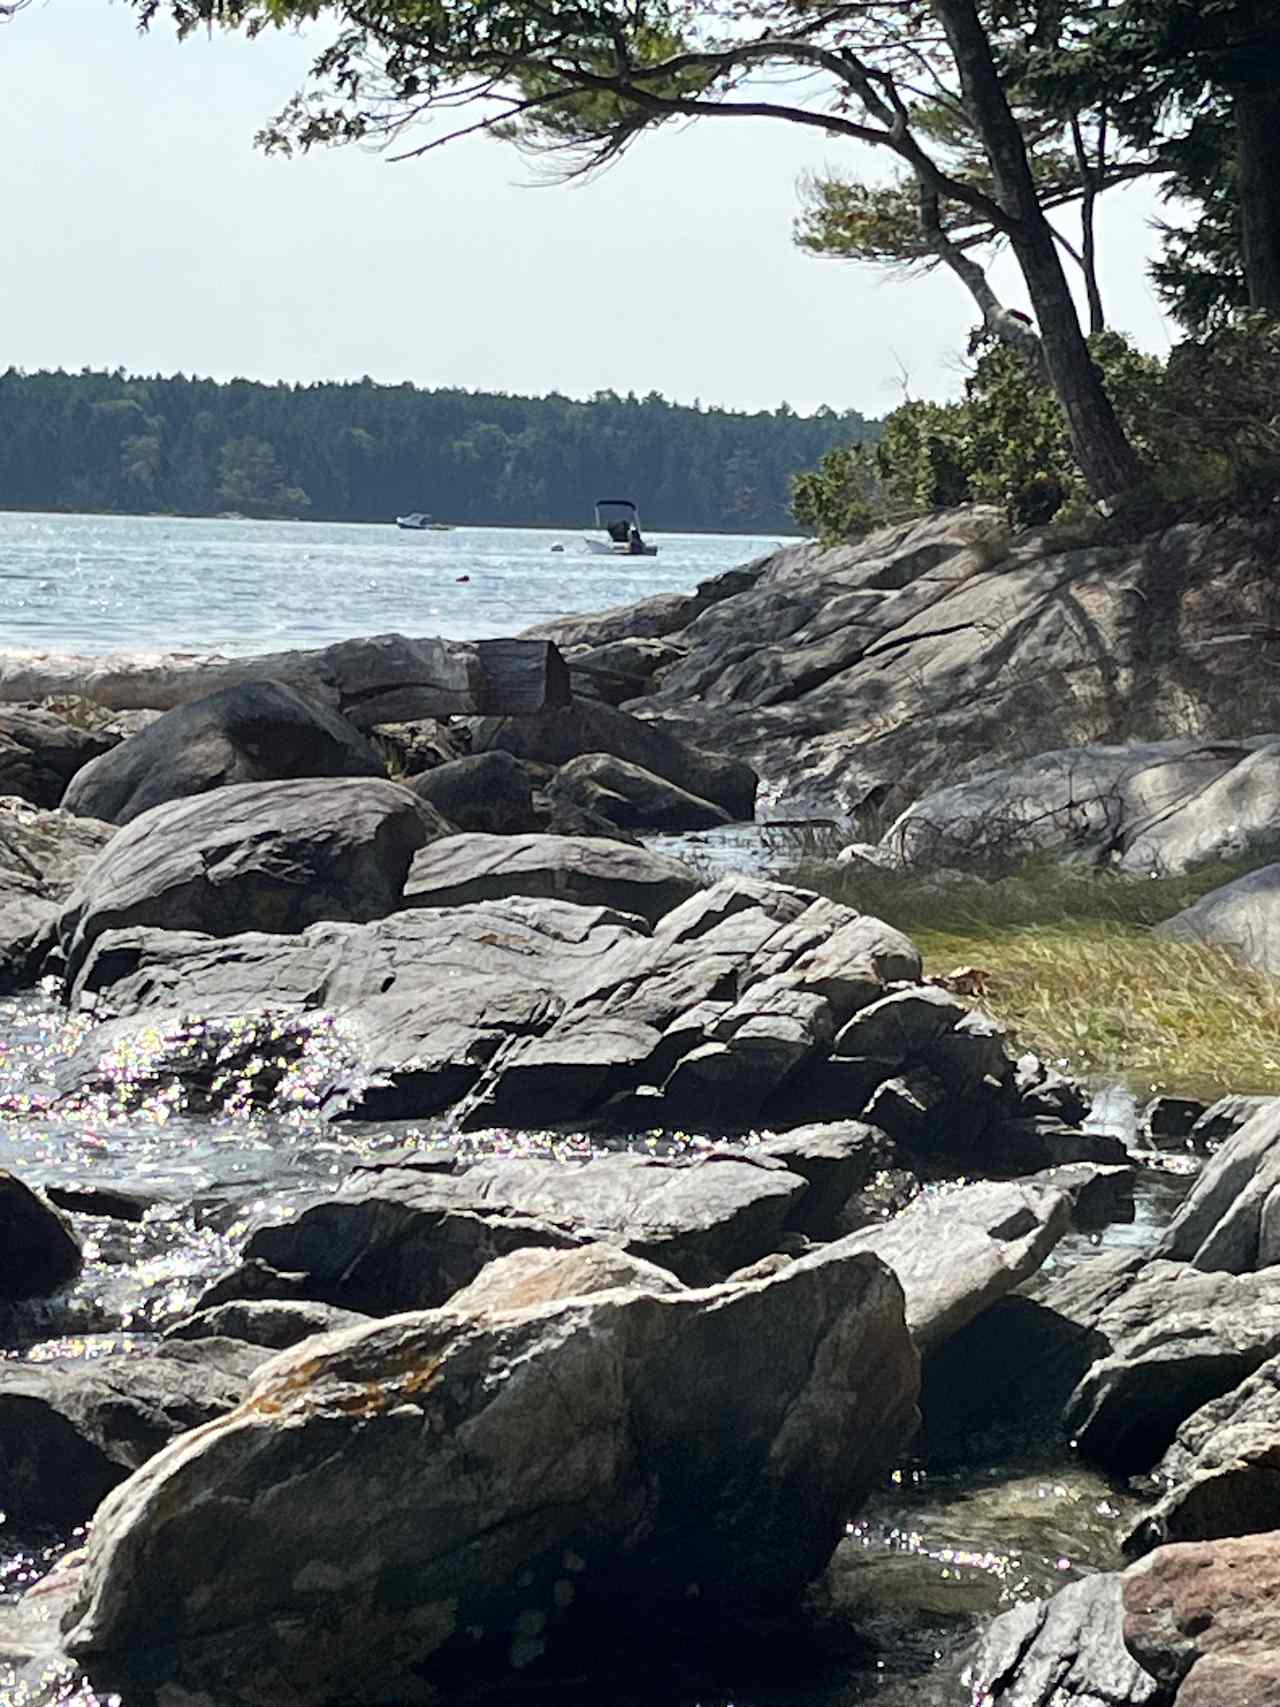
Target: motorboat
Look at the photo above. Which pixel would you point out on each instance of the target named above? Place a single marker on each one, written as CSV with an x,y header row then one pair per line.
x,y
618,520
420,522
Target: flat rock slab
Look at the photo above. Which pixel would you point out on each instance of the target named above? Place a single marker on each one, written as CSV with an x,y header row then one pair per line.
x,y
384,678
276,1323
257,731
71,1430
450,1494
274,856
402,1239
457,870
956,1252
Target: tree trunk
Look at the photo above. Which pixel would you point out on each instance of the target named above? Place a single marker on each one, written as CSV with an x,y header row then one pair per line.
x,y
1257,118
1106,458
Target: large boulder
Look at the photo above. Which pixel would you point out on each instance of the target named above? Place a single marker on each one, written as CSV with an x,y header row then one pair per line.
x,y
538,1012
630,797
1203,1619
1116,1353
73,1429
257,731
1178,1339
41,752
1230,1221
274,856
1221,1476
457,870
489,792
413,1005
1067,1651
1156,806
1243,916
453,1495
38,1250
587,726
400,1238
42,856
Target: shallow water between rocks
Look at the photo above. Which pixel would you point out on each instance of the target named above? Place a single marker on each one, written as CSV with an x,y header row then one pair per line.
x,y
929,1559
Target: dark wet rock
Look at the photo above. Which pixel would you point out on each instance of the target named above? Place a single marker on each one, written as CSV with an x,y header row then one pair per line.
x,y
1230,1221
1100,1193
1068,1651
630,797
106,1201
259,731
1167,1118
1053,1095
586,726
460,869
272,856
40,753
563,1476
1222,1473
620,669
957,1251
402,1239
42,855
1224,1118
420,745
900,1025
276,1323
38,1250
1029,1145
1243,916
489,792
836,1158
1203,1619
562,818
72,1429
1178,1339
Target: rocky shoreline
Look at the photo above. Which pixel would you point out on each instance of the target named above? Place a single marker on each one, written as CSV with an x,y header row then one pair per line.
x,y
431,1429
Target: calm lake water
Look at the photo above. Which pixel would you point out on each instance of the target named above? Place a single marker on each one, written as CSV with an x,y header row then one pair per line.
x,y
121,583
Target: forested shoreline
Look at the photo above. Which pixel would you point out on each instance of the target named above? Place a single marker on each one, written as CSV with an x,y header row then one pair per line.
x,y
362,451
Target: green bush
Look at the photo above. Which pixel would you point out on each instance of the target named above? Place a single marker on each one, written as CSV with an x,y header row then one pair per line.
x,y
1206,423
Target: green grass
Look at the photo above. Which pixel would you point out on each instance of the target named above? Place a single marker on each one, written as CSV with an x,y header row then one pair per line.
x,y
1076,974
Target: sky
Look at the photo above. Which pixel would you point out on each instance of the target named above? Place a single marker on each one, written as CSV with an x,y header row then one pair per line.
x,y
144,231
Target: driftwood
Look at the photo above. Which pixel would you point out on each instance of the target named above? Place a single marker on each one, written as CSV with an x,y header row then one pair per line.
x,y
386,678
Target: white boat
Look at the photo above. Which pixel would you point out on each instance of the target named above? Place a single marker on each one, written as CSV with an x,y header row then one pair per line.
x,y
619,521
420,522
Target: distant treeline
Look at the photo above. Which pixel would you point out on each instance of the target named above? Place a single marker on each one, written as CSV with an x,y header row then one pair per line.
x,y
365,452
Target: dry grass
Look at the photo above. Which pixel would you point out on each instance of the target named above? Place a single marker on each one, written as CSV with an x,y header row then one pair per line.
x,y
1075,972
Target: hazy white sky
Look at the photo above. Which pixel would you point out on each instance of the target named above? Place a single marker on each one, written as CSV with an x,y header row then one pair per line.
x,y
144,231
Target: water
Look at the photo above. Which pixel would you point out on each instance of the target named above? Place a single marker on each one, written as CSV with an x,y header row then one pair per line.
x,y
135,583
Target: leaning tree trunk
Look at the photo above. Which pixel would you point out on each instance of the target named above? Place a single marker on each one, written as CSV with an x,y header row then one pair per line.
x,y
1107,459
1256,108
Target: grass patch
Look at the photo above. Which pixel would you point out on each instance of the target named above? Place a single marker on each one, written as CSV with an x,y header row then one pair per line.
x,y
1075,973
